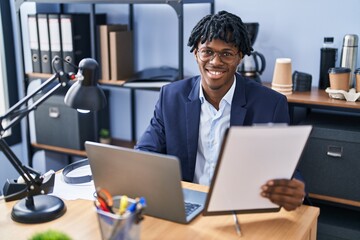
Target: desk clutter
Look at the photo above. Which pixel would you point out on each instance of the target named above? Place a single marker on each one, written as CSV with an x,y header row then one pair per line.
x,y
301,81
282,80
341,84
119,216
350,96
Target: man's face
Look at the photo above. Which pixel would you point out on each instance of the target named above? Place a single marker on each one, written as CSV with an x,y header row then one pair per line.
x,y
217,73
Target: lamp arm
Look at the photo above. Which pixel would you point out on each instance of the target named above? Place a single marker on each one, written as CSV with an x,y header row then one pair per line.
x,y
14,160
16,114
17,105
24,112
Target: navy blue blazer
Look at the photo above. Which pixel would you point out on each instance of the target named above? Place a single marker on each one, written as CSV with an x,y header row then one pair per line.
x,y
174,128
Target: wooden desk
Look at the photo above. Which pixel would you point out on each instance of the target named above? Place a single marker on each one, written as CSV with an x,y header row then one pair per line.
x,y
317,98
320,99
80,222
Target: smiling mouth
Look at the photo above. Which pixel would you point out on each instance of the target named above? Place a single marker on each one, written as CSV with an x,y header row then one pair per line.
x,y
215,73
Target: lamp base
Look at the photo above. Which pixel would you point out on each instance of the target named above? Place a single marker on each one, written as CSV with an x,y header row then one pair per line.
x,y
42,208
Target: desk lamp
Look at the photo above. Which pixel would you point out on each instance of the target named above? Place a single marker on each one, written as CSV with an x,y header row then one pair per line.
x,y
84,94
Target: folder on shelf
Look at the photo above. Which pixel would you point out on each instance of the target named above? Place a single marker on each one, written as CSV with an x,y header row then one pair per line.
x,y
121,55
55,40
75,39
104,31
44,39
34,43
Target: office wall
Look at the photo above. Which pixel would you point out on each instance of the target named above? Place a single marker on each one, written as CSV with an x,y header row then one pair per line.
x,y
296,29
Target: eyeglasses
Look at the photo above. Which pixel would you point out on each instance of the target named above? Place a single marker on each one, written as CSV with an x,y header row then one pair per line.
x,y
206,54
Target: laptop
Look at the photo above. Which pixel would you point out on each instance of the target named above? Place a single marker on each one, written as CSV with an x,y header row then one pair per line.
x,y
157,177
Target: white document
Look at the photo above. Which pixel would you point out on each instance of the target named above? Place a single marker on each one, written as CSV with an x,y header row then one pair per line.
x,y
251,156
68,191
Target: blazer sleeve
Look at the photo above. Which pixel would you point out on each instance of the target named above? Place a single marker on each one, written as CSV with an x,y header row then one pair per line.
x,y
281,113
153,139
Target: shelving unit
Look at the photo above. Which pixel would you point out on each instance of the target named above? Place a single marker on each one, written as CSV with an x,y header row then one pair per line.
x,y
178,7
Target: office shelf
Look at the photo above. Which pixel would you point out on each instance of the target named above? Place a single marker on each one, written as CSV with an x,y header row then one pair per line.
x,y
177,5
81,153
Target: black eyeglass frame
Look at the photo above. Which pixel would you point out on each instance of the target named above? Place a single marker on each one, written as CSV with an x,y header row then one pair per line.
x,y
214,53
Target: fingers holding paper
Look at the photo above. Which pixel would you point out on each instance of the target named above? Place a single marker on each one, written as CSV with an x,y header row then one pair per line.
x,y
288,194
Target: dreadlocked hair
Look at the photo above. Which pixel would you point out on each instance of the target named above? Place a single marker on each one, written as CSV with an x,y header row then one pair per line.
x,y
224,26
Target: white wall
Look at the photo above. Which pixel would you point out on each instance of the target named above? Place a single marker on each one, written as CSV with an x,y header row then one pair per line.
x,y
296,28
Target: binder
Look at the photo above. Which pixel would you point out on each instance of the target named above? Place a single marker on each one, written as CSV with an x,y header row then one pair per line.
x,y
121,55
104,31
34,43
44,39
75,38
55,40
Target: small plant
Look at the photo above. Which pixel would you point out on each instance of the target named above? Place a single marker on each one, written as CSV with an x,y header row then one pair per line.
x,y
104,135
50,235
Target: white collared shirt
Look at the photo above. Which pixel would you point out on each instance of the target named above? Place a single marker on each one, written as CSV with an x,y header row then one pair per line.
x,y
213,124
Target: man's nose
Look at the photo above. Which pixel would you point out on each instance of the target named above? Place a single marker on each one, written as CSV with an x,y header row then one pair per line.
x,y
216,58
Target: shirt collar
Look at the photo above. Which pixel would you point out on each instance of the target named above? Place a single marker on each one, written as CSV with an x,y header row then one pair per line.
x,y
228,96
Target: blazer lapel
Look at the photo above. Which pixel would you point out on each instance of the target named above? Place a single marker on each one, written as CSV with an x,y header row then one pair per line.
x,y
238,111
192,125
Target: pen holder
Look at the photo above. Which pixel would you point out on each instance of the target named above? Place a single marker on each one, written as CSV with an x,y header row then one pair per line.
x,y
117,227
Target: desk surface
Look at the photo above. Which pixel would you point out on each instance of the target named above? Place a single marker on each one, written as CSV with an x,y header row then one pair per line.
x,y
318,97
80,222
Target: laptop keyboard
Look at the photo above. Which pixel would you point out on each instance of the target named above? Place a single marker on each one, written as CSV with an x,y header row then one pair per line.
x,y
190,208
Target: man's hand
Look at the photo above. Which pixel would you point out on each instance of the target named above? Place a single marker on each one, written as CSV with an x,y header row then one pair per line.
x,y
285,193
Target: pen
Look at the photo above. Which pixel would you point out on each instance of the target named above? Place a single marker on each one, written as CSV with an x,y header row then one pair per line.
x,y
138,205
123,204
237,225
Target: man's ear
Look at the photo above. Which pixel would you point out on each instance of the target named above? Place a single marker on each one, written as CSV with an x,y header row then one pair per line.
x,y
241,55
195,53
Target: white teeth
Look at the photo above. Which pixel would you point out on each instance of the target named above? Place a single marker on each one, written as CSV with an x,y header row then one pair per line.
x,y
214,73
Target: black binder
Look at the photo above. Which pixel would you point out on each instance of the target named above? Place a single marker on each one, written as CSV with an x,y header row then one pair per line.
x,y
76,39
44,39
34,43
55,40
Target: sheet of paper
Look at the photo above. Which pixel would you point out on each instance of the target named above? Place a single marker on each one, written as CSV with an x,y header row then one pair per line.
x,y
74,191
250,157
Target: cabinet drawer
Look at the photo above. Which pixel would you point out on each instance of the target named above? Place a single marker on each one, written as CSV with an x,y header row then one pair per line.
x,y
331,167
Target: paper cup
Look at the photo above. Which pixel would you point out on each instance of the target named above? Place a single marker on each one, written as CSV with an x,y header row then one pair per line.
x,y
339,78
357,74
282,72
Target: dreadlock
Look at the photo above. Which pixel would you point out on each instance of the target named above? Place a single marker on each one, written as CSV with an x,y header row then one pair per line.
x,y
224,26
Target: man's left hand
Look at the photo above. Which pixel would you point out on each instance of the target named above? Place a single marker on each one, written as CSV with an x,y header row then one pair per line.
x,y
288,194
